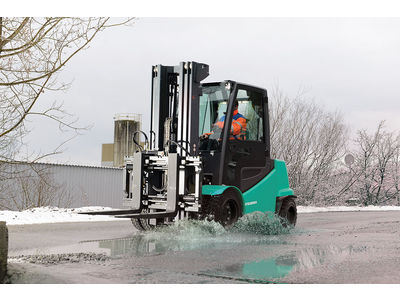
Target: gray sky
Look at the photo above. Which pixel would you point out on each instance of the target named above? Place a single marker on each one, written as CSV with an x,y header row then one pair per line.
x,y
349,65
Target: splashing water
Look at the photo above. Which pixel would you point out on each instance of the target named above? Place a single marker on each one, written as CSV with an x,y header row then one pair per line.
x,y
256,224
188,229
252,229
261,223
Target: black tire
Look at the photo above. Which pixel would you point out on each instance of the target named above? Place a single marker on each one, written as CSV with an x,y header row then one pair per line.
x,y
142,224
137,224
288,212
146,225
227,208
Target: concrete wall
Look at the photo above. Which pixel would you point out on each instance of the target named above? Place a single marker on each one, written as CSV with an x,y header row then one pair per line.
x,y
3,250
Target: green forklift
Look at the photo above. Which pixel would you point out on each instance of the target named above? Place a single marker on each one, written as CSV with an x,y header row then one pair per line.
x,y
207,155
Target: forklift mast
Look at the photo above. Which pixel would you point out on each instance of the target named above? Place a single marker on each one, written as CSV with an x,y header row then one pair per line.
x,y
166,179
175,93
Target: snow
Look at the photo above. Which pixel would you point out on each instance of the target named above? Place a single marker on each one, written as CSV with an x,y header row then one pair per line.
x,y
50,214
313,209
58,215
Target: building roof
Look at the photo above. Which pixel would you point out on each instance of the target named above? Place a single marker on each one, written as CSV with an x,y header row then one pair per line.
x,y
62,164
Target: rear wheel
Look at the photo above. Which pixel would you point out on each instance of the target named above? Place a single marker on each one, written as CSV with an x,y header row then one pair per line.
x,y
227,208
288,212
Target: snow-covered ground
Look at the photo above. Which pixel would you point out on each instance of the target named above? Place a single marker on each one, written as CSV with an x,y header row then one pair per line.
x,y
58,215
312,209
50,214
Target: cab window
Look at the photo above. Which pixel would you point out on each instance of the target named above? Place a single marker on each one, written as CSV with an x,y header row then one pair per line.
x,y
250,107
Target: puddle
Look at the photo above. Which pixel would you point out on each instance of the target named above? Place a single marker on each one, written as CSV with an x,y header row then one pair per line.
x,y
143,245
184,235
87,247
265,271
273,269
312,257
135,246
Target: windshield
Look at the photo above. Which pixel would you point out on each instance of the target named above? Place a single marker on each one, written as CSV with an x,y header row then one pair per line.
x,y
213,104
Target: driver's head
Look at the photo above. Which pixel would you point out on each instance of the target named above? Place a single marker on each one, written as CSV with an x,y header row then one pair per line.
x,y
235,105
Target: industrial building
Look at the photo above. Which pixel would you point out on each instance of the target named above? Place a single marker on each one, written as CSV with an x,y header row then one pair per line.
x,y
125,126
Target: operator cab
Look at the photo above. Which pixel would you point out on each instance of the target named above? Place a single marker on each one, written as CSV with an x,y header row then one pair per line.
x,y
229,157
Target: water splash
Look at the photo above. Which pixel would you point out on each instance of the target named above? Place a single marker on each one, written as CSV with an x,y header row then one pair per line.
x,y
261,223
183,235
184,230
254,223
196,227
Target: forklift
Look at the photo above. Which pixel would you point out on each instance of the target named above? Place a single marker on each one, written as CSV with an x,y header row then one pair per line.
x,y
193,164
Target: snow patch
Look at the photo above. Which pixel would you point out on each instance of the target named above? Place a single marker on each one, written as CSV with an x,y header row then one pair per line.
x,y
49,214
315,209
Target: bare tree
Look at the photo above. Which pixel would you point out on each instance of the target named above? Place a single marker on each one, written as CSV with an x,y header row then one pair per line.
x,y
395,175
32,52
311,141
376,168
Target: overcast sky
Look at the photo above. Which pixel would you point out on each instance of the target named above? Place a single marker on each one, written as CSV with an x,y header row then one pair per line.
x,y
350,65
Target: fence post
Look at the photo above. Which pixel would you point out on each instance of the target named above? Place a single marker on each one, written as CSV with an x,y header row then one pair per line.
x,y
3,250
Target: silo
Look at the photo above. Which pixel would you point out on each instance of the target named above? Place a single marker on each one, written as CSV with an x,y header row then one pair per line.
x,y
125,125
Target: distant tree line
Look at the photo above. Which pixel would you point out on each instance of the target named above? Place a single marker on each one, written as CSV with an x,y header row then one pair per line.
x,y
313,143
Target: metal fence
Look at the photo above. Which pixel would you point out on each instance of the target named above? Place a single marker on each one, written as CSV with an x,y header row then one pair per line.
x,y
24,185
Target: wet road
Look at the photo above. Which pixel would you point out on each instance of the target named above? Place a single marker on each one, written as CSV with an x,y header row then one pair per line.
x,y
335,247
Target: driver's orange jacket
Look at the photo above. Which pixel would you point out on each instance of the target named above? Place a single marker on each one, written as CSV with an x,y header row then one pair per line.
x,y
238,129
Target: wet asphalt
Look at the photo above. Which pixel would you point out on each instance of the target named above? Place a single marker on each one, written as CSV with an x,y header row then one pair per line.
x,y
333,247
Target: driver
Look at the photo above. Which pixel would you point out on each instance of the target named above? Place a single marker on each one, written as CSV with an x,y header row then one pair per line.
x,y
238,128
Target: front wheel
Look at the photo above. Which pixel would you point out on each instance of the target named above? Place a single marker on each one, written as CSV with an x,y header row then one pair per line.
x,y
228,208
288,212
144,224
